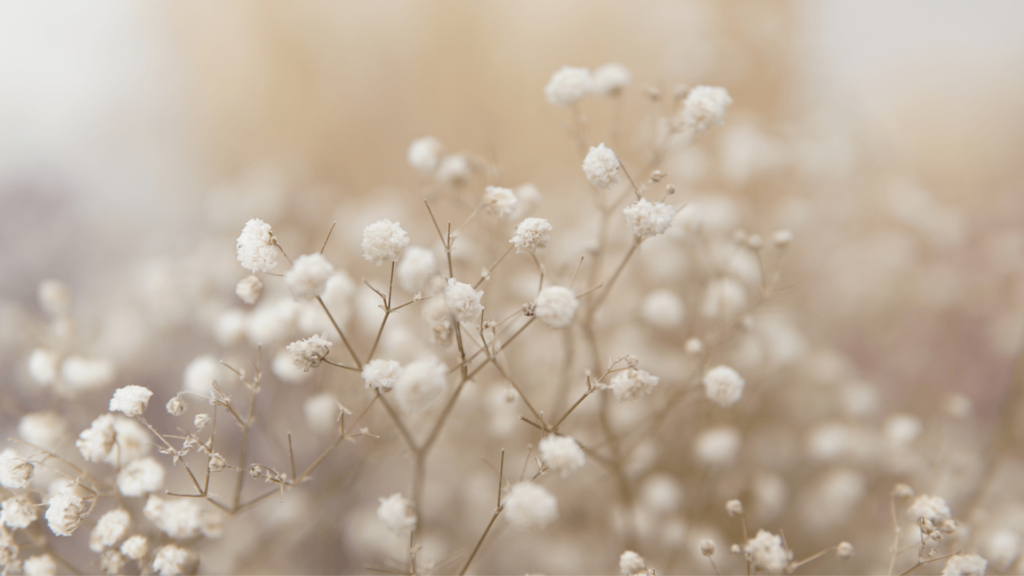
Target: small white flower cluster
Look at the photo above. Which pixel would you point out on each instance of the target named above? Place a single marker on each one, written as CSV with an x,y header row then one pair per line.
x,y
705,107
97,441
424,154
500,202
131,400
556,306
181,518
15,471
646,219
766,552
570,84
663,309
308,353
171,560
42,565
17,512
632,383
249,289
135,547
384,241
398,514
420,384
632,564
531,235
723,386
81,373
562,454
463,301
965,565
601,166
139,477
530,507
64,513
417,267
381,374
308,276
931,508
109,530
256,249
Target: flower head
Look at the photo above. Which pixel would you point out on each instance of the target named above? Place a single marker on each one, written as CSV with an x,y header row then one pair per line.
x,y
417,267
308,276
766,552
424,154
723,385
308,353
139,477
569,85
256,249
704,107
500,202
601,166
646,218
631,564
132,400
420,384
556,306
249,289
173,560
965,565
17,512
529,506
561,454
463,301
381,374
15,471
397,514
531,235
384,241
632,383
64,513
611,78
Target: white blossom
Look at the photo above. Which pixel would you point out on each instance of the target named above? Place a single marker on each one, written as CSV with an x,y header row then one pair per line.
x,y
384,241
421,383
176,405
308,276
562,454
704,108
424,154
249,289
43,565
96,442
556,306
43,429
201,373
724,298
131,400
844,550
87,373
172,560
285,369
54,297
765,552
113,440
500,202
632,564
15,471
965,565
529,506
611,78
178,518
931,508
463,301
64,513
531,235
707,547
717,446
723,386
453,169
139,477
601,166
321,412
528,199
734,508
110,529
663,309
112,562
632,383
17,512
381,374
42,366
646,219
397,514
418,265
782,238
308,353
135,547
569,85
256,250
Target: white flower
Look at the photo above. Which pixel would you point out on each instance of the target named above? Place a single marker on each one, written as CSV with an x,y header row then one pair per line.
x,y
397,514
931,508
308,353
529,506
256,250
171,560
704,107
43,565
569,85
556,306
610,78
381,374
724,298
463,301
693,346
723,386
561,454
64,513
631,383
285,369
663,309
421,383
249,289
436,314
54,297
631,563
178,517
111,562
109,530
15,471
176,406
17,512
201,421
717,446
765,552
321,412
531,235
500,202
965,565
645,218
844,550
96,442
601,166
782,238
424,154
707,547
42,366
135,547
418,265
528,199
384,241
201,373
454,169
734,508
43,429
308,276
87,373
139,477
132,400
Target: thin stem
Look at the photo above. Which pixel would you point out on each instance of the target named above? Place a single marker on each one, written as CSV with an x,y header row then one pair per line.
x,y
922,563
291,455
493,266
398,422
626,172
344,340
615,275
333,224
480,541
387,313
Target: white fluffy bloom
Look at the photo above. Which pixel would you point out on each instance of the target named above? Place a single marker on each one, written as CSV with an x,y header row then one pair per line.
x,y
631,564
844,550
249,289
717,446
321,412
569,85
611,78
384,241
64,513
724,298
54,297
965,565
529,200
172,560
112,562
15,471
646,218
500,202
87,373
632,383
285,369
42,366
131,400
200,374
96,442
529,506
176,406
43,565
782,238
178,518
424,154
397,514
463,301
308,353
436,314
556,306
308,276
601,166
704,107
110,529
139,477
381,374
417,267
17,512
43,429
561,454
453,169
256,250
421,383
765,552
663,309
931,508
531,235
135,547
723,385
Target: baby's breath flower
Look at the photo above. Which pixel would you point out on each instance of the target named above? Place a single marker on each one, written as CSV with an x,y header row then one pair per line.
x,y
201,421
707,547
381,374
397,514
556,306
15,471
723,385
705,107
135,547
463,301
96,442
420,384
42,366
308,353
17,512
931,508
172,560
424,154
717,446
249,289
453,169
569,85
112,562
631,564
321,412
176,406
965,565
417,267
178,518
139,477
531,235
87,373
765,552
844,550
734,508
646,219
782,238
256,250
131,400
308,276
693,346
601,166
632,383
610,78
54,297
562,454
724,298
201,373
529,506
64,513
110,529
43,565
663,309
500,202
384,241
